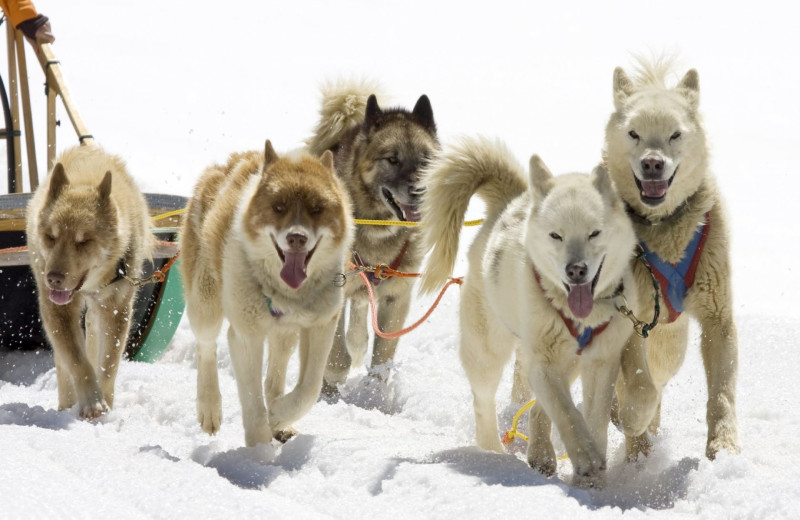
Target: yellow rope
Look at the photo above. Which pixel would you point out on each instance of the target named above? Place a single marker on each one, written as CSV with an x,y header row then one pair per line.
x,y
359,221
511,434
370,222
168,214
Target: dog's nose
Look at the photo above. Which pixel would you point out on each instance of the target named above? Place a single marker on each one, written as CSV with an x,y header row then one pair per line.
x,y
652,165
296,240
577,272
55,279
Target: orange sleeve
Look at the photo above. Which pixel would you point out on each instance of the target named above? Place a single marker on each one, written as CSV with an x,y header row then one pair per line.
x,y
18,10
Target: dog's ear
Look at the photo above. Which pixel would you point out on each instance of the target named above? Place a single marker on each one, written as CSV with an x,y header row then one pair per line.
x,y
623,87
327,160
373,112
269,154
689,86
423,113
58,181
104,188
603,183
540,177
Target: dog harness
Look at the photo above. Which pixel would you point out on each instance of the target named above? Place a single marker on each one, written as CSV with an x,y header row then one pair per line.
x,y
585,337
676,279
374,280
272,312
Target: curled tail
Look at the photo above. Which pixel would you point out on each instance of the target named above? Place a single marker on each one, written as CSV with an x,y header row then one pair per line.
x,y
473,165
344,103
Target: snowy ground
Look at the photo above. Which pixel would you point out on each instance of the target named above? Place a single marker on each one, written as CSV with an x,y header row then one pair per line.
x,y
177,88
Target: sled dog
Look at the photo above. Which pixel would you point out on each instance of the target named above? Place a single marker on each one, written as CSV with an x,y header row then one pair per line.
x,y
546,270
262,241
87,228
656,153
378,155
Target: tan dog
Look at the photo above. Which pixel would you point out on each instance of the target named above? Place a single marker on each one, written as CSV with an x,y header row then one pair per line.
x,y
263,240
379,153
656,153
87,225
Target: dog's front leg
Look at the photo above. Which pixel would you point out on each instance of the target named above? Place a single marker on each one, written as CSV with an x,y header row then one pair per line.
x,y
598,375
315,344
392,311
541,454
247,358
62,325
280,347
550,384
720,358
112,323
339,360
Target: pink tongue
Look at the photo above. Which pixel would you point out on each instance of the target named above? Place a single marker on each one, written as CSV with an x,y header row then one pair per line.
x,y
294,268
411,212
580,300
60,297
654,189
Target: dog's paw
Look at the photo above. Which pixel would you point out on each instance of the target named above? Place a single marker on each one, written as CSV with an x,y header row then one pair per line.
x,y
722,443
93,409
284,435
542,458
209,415
639,445
588,467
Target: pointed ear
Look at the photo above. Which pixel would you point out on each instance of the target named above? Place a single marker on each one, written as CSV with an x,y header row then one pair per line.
x,y
104,188
327,160
373,112
602,183
423,113
58,181
269,154
690,87
540,177
623,87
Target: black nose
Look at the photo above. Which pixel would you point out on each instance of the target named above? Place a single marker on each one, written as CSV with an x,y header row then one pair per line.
x,y
55,279
577,272
296,240
653,165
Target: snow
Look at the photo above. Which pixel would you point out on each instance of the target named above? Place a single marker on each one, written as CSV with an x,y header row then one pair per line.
x,y
176,88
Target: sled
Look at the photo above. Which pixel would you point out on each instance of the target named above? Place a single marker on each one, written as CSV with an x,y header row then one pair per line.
x,y
158,307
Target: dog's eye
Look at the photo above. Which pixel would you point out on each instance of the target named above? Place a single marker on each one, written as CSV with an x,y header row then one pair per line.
x,y
556,236
633,135
393,160
594,234
278,208
315,210
83,243
674,136
49,238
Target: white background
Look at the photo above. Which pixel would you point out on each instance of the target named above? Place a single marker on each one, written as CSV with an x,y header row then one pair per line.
x,y
175,86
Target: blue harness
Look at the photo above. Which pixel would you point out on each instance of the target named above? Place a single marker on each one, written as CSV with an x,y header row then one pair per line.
x,y
676,279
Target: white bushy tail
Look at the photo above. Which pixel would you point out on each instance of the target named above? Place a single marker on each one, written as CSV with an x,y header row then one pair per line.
x,y
344,103
473,165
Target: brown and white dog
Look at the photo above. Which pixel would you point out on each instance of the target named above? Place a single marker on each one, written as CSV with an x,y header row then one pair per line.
x,y
262,242
87,225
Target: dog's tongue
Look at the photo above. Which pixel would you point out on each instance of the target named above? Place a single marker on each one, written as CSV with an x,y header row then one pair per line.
x,y
60,297
580,300
294,268
410,211
654,189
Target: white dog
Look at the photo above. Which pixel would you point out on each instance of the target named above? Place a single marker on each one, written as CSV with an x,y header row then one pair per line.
x,y
545,272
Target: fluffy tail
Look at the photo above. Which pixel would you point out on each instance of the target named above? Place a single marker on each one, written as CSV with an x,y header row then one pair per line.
x,y
474,165
344,103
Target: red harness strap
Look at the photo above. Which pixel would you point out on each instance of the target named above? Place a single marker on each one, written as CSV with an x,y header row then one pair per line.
x,y
374,280
584,338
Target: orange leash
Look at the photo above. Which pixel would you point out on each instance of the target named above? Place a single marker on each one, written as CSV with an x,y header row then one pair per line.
x,y
382,272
